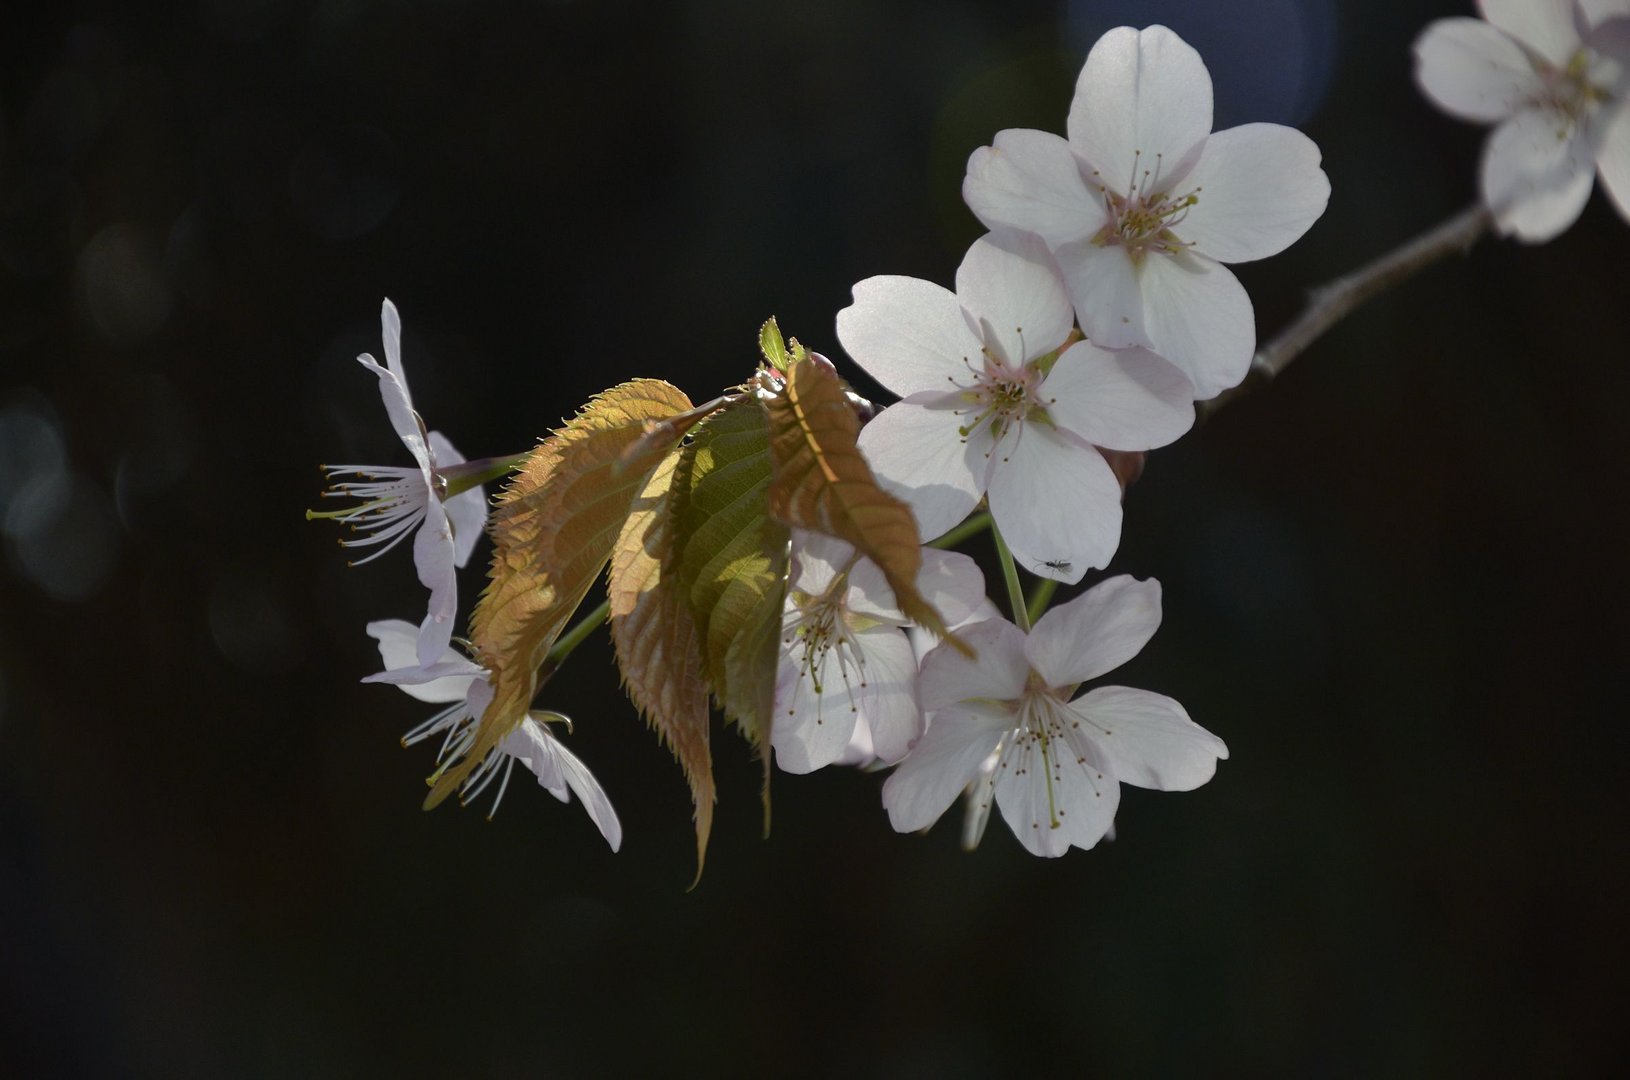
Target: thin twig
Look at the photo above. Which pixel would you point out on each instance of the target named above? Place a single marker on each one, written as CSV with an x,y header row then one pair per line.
x,y
1331,302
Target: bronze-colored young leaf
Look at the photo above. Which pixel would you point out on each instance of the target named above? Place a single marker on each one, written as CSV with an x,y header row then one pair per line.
x,y
730,557
658,649
553,529
823,483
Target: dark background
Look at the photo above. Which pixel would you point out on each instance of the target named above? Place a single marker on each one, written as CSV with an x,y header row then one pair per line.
x,y
1395,579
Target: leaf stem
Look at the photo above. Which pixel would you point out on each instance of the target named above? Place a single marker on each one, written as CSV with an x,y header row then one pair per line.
x,y
1010,574
572,638
972,527
468,474
1333,301
1041,594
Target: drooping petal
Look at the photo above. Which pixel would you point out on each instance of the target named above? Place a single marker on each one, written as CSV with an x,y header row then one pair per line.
x,y
1473,70
1106,290
1148,739
593,797
446,681
1536,176
1258,189
1057,503
1613,159
998,670
558,769
1096,632
908,334
466,511
1009,279
1546,26
1031,181
888,698
1198,316
433,558
1142,102
1123,399
936,770
1051,800
919,456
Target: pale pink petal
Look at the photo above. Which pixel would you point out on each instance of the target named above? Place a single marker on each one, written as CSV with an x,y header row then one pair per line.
x,y
1197,315
1096,632
1258,189
1613,160
1057,503
997,671
445,681
908,334
1051,801
919,456
1142,102
1105,289
948,580
1009,280
1473,70
1148,739
1597,12
433,558
936,770
1546,26
815,707
466,511
1029,180
888,698
1536,176
1124,399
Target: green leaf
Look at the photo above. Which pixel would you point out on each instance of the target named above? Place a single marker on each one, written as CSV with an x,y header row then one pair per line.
x,y
730,557
553,530
823,483
658,646
771,345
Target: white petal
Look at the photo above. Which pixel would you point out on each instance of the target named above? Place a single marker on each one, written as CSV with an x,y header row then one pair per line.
x,y
1030,180
558,769
1599,11
1096,632
1125,399
1009,279
446,681
938,768
466,511
908,334
870,595
1536,176
593,797
950,582
1473,70
1613,159
1149,739
815,708
818,559
888,699
399,407
1054,802
1057,503
1198,316
919,456
433,557
1107,292
1143,101
1546,26
1259,188
998,670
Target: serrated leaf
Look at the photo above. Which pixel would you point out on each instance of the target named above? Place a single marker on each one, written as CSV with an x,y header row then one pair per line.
x,y
553,529
771,345
823,483
658,648
730,557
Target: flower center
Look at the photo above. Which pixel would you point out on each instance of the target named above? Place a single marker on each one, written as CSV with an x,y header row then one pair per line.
x,y
393,502
1141,220
998,396
819,634
1573,92
1041,744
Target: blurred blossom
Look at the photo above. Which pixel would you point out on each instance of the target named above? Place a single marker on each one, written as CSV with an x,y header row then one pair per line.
x,y
33,469
123,284
250,624
1270,60
345,185
63,536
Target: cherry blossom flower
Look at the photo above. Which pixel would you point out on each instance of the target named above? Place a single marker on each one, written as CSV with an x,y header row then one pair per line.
x,y
1054,766
1554,78
463,686
1144,203
396,501
992,406
847,669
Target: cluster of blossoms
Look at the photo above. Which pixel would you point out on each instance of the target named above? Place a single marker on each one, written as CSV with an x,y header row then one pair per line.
x,y
1087,322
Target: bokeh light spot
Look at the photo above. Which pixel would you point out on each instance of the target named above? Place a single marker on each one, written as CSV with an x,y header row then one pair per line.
x,y
123,284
